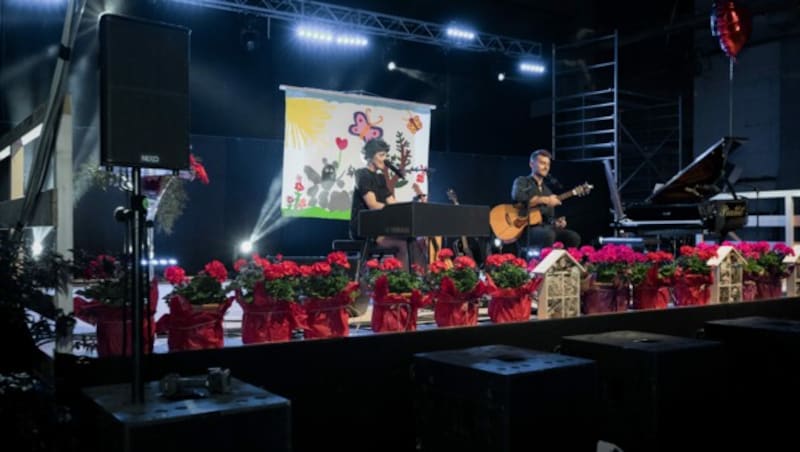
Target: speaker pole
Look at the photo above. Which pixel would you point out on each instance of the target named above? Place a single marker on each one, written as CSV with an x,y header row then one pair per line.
x,y
139,210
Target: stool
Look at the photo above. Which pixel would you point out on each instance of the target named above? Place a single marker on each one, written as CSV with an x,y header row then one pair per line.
x,y
503,399
658,392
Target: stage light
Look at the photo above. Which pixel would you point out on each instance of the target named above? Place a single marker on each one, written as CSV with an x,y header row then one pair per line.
x,y
246,247
532,253
501,76
37,249
460,33
172,261
391,66
162,262
531,68
497,243
144,262
326,37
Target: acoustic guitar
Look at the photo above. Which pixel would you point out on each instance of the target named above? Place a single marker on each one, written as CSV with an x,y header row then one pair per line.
x,y
463,247
507,223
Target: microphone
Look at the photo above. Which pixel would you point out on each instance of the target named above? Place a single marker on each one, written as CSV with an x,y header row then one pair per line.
x,y
395,169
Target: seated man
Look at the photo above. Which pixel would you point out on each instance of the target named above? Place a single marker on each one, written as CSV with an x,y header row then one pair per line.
x,y
532,191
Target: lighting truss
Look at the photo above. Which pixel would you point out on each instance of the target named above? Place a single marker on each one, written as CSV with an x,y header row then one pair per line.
x,y
301,12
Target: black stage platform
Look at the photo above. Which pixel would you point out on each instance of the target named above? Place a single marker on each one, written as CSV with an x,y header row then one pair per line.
x,y
357,393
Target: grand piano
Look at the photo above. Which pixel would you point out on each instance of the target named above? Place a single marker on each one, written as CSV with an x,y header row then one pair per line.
x,y
683,202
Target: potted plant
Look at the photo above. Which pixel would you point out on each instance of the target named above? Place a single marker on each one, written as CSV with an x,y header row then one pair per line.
x,y
327,291
197,306
455,289
608,289
764,269
103,303
693,276
510,286
651,280
267,292
396,295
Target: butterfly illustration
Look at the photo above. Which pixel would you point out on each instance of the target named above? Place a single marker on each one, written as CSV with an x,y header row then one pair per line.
x,y
414,124
363,127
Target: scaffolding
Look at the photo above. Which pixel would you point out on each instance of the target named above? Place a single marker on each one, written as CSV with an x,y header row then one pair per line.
x,y
303,11
638,136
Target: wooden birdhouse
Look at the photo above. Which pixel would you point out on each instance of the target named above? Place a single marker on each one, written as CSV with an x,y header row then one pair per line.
x,y
793,281
727,268
560,292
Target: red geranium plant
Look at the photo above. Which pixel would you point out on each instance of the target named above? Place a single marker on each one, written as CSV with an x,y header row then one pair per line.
x,y
396,295
455,289
204,288
327,289
197,306
267,292
510,288
102,304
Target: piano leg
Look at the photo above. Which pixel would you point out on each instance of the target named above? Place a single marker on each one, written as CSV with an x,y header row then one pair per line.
x,y
410,245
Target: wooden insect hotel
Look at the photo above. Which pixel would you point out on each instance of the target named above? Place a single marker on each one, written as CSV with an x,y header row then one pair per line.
x,y
727,269
559,294
793,281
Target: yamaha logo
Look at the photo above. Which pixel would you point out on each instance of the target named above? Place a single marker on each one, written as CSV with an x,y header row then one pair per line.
x,y
149,158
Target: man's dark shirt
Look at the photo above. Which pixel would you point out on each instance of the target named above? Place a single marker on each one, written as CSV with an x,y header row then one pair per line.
x,y
524,189
366,181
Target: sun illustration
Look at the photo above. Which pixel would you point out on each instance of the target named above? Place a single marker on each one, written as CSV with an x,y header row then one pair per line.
x,y
305,120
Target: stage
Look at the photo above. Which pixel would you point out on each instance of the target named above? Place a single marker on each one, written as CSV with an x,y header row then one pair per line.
x,y
357,392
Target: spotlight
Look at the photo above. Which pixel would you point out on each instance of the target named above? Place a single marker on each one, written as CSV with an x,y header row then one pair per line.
x,y
501,76
36,249
460,33
531,68
391,66
246,247
497,243
532,253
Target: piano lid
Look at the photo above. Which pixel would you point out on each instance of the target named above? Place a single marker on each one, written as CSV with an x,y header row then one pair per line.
x,y
697,181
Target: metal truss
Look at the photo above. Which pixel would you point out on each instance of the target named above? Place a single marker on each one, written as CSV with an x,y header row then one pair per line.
x,y
372,23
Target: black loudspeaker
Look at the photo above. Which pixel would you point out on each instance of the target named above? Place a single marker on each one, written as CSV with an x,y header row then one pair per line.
x,y
763,360
246,419
500,398
657,392
144,93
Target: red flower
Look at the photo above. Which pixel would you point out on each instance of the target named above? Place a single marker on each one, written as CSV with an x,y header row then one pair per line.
x,y
101,267
216,270
416,268
420,178
445,253
305,270
199,169
373,264
175,275
437,267
464,262
239,264
279,257
298,186
320,269
289,199
391,263
338,258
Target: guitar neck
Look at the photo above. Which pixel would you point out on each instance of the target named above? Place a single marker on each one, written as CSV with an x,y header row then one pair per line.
x,y
567,195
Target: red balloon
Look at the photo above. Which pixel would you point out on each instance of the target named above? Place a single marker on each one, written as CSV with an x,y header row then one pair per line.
x,y
732,24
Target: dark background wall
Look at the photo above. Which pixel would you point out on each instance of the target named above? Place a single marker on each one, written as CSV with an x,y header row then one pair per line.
x,y
481,130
